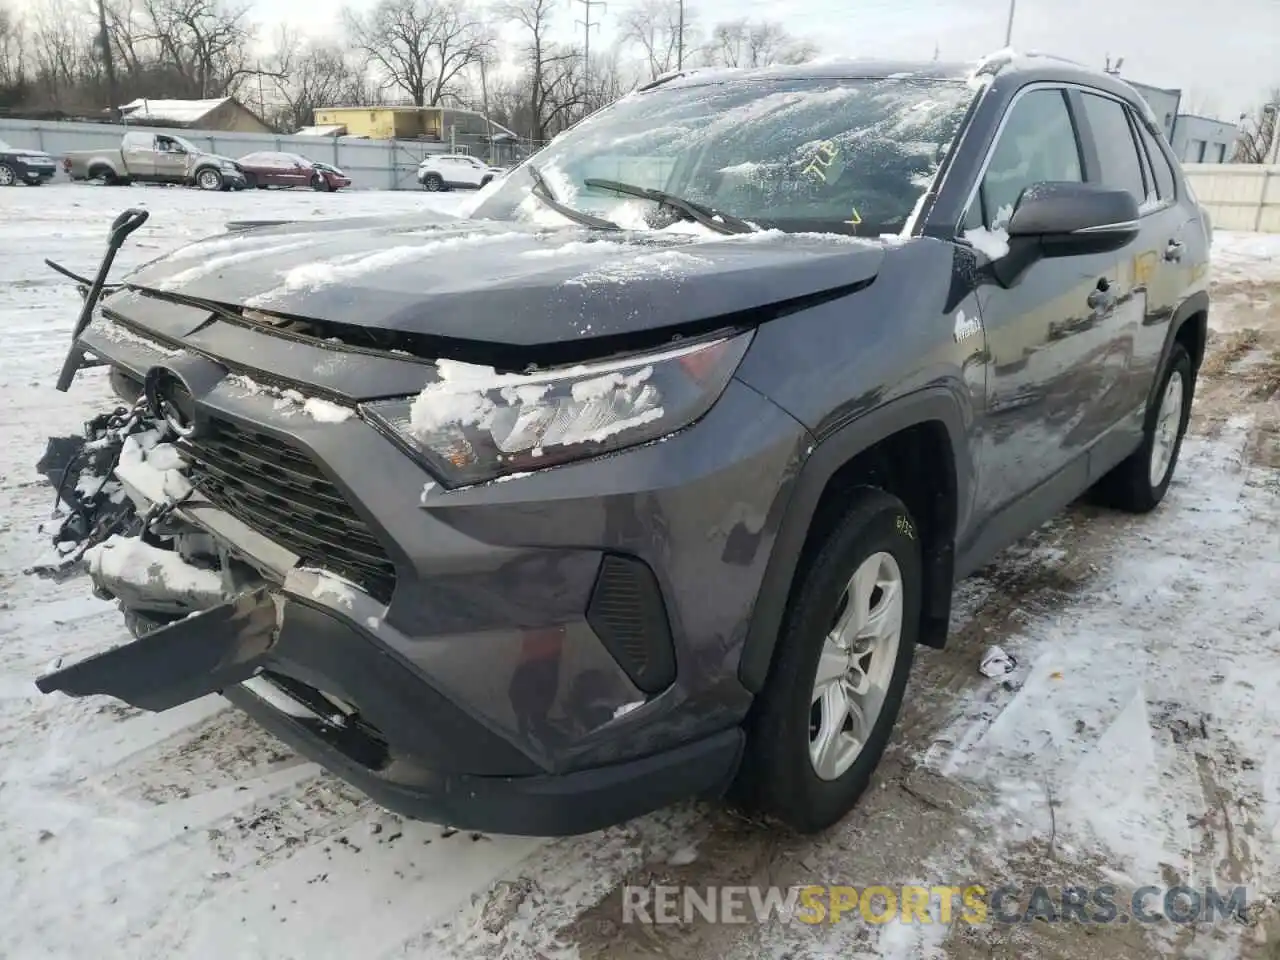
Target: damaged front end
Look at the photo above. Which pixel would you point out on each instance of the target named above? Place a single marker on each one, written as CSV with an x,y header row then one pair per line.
x,y
201,619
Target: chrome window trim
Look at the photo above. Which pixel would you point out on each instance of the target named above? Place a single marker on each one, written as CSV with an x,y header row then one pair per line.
x,y
1108,227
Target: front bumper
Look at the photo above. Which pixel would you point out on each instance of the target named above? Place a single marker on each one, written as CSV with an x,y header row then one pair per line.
x,y
35,173
498,684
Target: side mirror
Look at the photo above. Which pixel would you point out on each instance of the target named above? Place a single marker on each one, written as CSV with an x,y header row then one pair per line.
x,y
1070,219
1055,219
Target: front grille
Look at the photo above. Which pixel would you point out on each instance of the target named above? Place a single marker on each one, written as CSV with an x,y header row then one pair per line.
x,y
279,491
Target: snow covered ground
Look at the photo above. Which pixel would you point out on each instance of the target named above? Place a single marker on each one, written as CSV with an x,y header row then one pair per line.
x,y
1137,742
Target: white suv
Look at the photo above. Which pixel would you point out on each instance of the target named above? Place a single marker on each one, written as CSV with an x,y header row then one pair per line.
x,y
447,171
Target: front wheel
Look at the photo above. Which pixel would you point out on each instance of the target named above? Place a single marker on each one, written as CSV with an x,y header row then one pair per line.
x,y
209,179
1138,483
819,727
318,183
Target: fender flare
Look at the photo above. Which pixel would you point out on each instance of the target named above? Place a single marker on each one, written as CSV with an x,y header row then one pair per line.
x,y
930,404
1196,304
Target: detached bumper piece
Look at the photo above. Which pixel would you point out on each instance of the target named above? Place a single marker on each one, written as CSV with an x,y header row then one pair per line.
x,y
339,698
183,661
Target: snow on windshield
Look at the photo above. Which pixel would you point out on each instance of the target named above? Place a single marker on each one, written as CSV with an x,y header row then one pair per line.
x,y
849,156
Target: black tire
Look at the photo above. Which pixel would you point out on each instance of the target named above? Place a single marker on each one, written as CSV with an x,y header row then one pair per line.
x,y
207,178
433,183
8,176
777,776
261,186
319,184
1129,486
105,174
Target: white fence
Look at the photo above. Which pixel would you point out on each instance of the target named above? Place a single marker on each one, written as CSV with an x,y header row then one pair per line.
x,y
1239,196
371,164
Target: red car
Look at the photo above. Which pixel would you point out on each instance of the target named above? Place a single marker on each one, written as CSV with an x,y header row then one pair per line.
x,y
271,169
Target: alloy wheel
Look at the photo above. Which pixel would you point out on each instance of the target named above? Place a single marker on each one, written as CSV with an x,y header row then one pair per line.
x,y
1168,423
856,666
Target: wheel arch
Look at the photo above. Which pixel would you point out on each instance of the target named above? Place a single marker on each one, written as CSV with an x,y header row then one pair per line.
x,y
1189,327
914,448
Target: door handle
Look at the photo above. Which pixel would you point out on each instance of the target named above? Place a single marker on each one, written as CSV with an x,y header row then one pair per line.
x,y
1173,252
1101,297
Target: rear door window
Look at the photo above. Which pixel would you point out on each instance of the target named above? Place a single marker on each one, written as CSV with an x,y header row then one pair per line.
x,y
1121,168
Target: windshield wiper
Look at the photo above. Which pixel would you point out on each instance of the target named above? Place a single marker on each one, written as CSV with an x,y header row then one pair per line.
x,y
543,192
715,219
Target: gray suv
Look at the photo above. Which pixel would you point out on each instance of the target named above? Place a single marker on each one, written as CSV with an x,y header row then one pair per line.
x,y
644,481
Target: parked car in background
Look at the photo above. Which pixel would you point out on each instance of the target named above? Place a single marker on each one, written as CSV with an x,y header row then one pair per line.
x,y
24,166
335,177
155,158
450,171
269,168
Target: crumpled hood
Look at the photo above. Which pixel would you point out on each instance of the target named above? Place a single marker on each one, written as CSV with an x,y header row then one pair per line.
x,y
503,282
30,154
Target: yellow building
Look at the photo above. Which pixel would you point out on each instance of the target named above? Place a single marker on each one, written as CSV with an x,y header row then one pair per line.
x,y
385,123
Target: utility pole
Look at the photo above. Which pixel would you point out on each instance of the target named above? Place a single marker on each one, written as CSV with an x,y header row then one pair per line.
x,y
1008,30
108,61
484,105
680,39
262,101
586,25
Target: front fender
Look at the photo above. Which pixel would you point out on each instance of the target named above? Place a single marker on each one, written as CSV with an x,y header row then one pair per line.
x,y
937,403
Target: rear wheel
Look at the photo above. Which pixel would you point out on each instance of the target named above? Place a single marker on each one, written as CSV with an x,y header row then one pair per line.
x,y
433,182
1139,483
107,176
8,177
209,179
819,727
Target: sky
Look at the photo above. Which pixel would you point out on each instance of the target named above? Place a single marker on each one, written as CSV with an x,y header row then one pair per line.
x,y
1222,55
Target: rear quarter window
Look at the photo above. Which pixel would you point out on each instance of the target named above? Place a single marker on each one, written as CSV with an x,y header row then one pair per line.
x,y
1166,182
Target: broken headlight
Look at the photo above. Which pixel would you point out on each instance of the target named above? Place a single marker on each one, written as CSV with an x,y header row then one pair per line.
x,y
475,424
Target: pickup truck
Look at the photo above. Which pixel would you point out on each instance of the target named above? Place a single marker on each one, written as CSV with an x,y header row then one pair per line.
x,y
156,158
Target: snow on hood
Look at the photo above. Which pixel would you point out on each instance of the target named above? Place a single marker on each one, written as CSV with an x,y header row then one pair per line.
x,y
505,282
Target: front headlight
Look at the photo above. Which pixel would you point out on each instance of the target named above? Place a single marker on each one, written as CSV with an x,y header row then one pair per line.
x,y
228,165
474,424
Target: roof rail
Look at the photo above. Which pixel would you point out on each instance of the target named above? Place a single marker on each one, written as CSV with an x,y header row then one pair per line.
x,y
993,63
663,78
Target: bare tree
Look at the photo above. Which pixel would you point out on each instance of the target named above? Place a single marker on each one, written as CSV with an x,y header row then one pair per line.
x,y
12,54
62,50
420,46
204,44
654,27
552,72
1257,139
743,43
310,76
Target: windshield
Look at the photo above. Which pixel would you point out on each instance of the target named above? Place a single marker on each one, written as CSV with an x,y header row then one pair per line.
x,y
5,146
831,155
186,145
